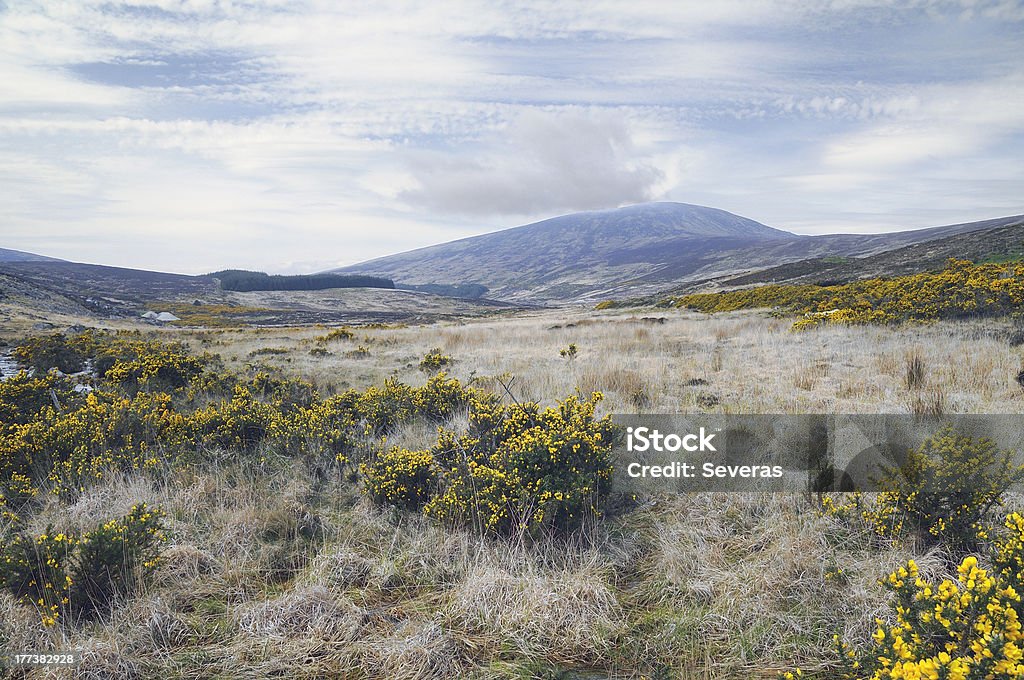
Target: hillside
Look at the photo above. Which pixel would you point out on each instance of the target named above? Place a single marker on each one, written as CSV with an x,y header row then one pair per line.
x,y
42,291
630,251
7,255
994,241
573,256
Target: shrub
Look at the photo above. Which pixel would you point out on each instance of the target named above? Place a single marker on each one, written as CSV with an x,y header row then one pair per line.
x,y
67,355
23,397
569,352
962,289
112,558
61,573
522,469
165,368
337,334
400,478
328,425
964,629
106,432
435,360
382,408
240,423
440,398
945,490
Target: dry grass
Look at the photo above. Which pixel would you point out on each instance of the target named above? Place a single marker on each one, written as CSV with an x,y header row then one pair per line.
x,y
750,363
274,572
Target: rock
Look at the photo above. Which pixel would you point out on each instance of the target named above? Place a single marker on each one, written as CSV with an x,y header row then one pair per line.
x,y
76,329
1020,379
43,326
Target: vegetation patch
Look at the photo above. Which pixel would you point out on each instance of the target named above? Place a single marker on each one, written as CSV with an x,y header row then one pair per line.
x,y
961,290
245,281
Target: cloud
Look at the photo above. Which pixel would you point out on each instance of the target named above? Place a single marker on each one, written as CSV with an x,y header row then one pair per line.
x,y
543,162
267,133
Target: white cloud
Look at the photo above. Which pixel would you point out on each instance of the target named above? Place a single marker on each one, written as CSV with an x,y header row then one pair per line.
x,y
543,162
357,130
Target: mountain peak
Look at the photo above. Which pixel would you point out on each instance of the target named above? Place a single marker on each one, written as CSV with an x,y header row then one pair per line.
x,y
570,255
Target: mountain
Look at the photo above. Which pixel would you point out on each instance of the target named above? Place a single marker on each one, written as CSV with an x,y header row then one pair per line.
x,y
577,255
989,241
53,289
628,252
18,256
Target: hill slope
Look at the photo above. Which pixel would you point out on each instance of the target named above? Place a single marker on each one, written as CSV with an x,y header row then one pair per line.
x,y
989,241
44,290
629,251
7,255
580,254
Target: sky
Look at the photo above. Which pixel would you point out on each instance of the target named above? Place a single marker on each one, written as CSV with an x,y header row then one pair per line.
x,y
293,136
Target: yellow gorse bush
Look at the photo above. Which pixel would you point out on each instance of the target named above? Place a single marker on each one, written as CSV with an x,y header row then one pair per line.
x,y
517,468
961,289
154,405
64,573
943,491
967,628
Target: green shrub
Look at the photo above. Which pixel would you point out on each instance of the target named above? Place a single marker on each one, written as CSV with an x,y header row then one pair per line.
x,y
400,478
23,397
337,334
240,423
435,360
945,491
962,628
441,398
520,468
112,559
54,351
323,426
381,409
166,368
63,573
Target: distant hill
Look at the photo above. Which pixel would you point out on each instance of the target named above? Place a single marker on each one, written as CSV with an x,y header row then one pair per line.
x,y
988,241
573,255
18,256
628,252
41,289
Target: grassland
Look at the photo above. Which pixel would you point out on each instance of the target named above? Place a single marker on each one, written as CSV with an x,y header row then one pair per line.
x,y
274,568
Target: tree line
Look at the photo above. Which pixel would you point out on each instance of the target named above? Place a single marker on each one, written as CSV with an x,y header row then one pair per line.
x,y
243,281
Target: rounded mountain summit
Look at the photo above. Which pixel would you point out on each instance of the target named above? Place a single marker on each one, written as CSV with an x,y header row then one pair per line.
x,y
584,255
653,247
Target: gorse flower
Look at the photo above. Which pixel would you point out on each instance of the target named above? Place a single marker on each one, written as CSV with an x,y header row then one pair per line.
x,y
967,628
517,468
61,573
962,289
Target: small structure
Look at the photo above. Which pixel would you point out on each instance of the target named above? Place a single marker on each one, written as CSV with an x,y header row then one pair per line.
x,y
163,317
